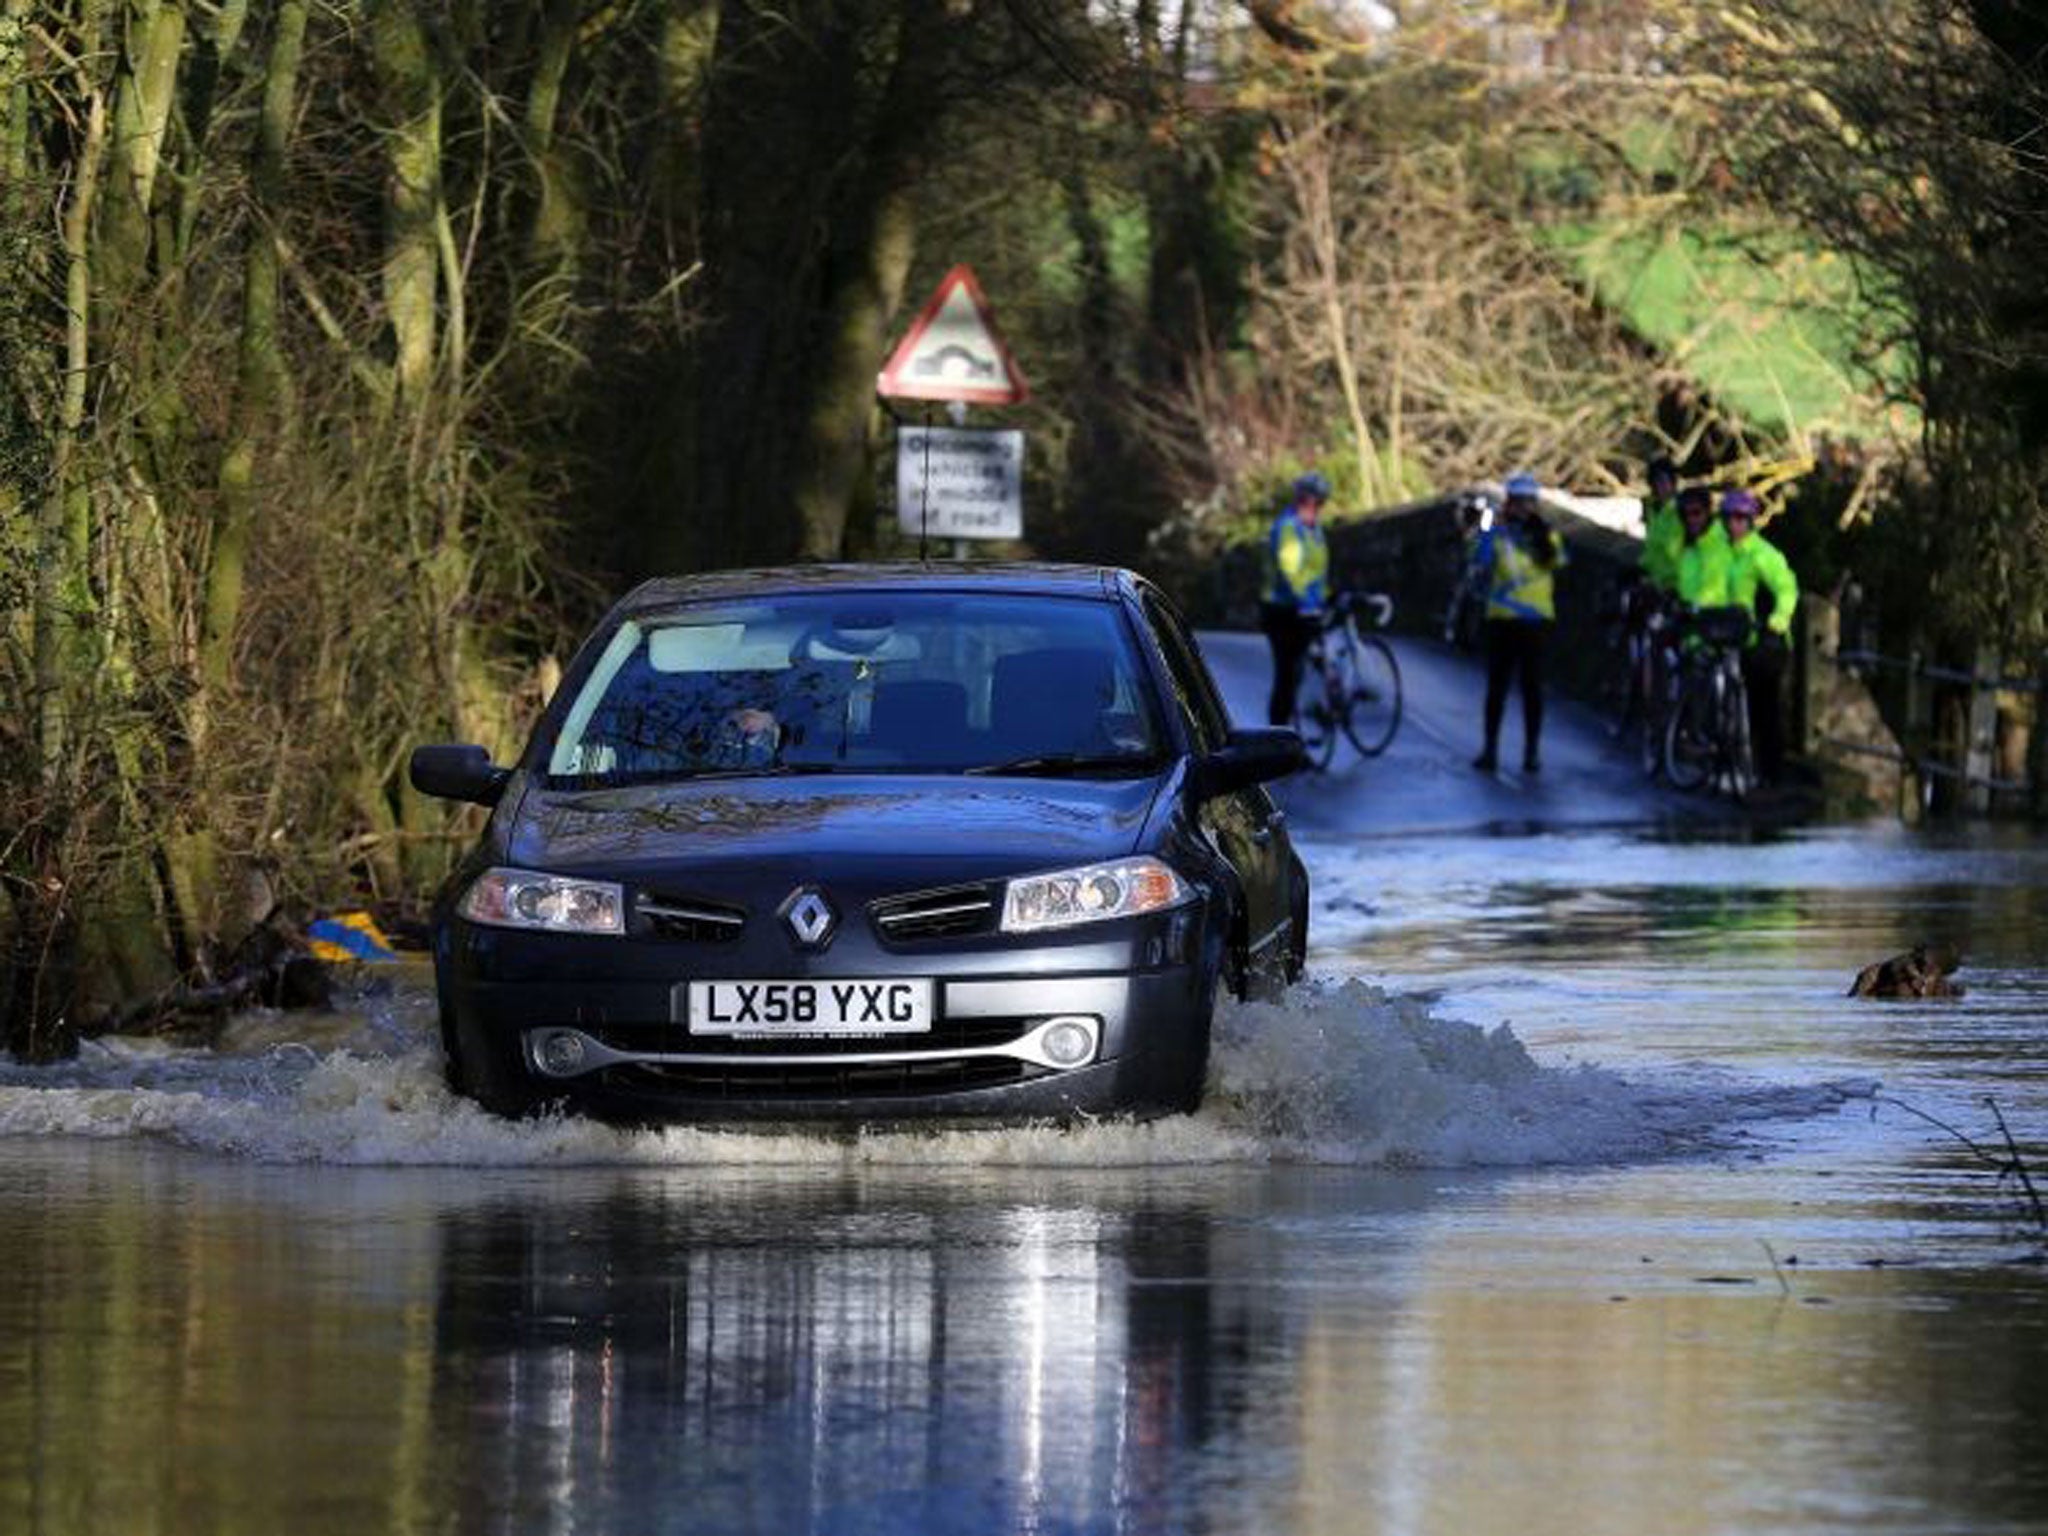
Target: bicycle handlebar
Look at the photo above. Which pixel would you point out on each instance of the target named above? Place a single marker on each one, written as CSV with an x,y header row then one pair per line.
x,y
1381,605
1724,628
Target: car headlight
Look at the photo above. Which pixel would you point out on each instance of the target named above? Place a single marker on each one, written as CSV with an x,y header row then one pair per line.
x,y
1093,893
519,898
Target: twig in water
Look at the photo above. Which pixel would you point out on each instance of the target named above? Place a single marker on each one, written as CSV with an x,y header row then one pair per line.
x,y
2018,1164
1941,1125
2013,1164
1783,1284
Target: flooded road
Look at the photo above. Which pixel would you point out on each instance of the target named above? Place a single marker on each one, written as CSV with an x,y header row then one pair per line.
x,y
1593,1210
1570,1196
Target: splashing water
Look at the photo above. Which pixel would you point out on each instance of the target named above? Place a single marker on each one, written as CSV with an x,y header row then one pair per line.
x,y
1336,1072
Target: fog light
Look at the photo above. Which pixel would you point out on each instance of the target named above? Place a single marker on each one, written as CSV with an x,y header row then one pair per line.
x,y
560,1053
1067,1043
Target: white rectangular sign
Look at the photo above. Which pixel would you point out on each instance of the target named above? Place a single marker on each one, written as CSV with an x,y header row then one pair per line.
x,y
975,480
857,1007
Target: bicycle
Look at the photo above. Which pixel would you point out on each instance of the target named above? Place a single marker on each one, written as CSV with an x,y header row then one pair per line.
x,y
1642,665
1465,613
1350,683
1707,734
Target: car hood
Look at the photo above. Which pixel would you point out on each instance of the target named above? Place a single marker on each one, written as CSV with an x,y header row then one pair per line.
x,y
935,829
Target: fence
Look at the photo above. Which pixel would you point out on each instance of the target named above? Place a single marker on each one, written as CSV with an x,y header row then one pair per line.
x,y
1968,739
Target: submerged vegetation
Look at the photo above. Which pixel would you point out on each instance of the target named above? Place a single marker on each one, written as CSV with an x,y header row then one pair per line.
x,y
352,352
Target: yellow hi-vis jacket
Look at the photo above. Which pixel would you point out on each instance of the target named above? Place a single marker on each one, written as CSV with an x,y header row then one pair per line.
x,y
1297,564
1518,586
1703,569
1754,561
1663,538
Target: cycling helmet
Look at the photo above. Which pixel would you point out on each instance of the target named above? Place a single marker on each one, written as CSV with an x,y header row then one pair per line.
x,y
1739,503
1312,484
1661,467
1695,498
1522,483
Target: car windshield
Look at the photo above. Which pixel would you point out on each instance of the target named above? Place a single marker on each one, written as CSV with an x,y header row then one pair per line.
x,y
890,682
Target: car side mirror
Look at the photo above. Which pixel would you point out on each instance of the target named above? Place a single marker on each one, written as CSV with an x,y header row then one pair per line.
x,y
457,773
1250,757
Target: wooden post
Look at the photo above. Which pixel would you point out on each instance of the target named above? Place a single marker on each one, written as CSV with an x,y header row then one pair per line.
x,y
1818,636
1913,739
1980,746
2037,741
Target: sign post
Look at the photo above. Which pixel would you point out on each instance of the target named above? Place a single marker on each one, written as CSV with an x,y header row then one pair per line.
x,y
957,483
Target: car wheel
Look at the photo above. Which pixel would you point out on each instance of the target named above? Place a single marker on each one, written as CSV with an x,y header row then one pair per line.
x,y
1297,928
1190,1074
493,1078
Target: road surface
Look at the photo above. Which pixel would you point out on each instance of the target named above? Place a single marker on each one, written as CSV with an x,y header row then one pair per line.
x,y
1425,781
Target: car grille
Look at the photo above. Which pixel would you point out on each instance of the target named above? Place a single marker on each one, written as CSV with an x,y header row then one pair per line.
x,y
768,1080
684,917
953,1035
941,914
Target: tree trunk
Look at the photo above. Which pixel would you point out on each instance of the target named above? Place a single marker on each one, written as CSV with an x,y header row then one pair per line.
x,y
863,288
409,86
1309,156
218,32
63,621
142,115
552,225
802,270
44,884
262,383
14,99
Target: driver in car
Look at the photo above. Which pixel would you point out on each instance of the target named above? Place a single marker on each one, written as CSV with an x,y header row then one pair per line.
x,y
746,738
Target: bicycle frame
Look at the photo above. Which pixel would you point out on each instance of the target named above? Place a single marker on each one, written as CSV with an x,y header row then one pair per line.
x,y
1715,671
1338,660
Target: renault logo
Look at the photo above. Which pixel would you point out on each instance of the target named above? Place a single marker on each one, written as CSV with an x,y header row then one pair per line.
x,y
810,916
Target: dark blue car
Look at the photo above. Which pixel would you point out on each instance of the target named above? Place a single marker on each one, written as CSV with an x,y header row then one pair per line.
x,y
867,843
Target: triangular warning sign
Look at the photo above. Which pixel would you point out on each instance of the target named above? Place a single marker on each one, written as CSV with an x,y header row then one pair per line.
x,y
953,351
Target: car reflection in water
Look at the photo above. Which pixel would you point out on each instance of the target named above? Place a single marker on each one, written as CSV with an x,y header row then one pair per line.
x,y
660,1361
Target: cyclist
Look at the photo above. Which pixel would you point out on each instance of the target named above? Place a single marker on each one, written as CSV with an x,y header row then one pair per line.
x,y
1463,615
1760,582
1700,573
1663,529
1646,592
1297,570
1521,556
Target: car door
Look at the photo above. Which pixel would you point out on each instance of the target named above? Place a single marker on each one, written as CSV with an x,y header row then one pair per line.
x,y
1245,825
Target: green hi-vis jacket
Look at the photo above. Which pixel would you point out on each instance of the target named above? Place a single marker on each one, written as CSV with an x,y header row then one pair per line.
x,y
1518,586
1754,561
1663,538
1703,570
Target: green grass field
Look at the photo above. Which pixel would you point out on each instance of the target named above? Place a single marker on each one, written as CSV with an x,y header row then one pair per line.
x,y
1767,326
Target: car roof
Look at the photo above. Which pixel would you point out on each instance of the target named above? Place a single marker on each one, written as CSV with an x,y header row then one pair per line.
x,y
1023,578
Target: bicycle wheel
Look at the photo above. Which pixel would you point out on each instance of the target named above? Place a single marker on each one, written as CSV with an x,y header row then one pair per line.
x,y
1689,734
1315,717
1662,679
1375,692
1735,734
1619,674
1469,630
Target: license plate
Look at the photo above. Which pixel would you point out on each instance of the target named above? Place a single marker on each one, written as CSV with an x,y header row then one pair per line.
x,y
809,1007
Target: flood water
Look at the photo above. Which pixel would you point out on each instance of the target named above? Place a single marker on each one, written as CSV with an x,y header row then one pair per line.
x,y
1571,1196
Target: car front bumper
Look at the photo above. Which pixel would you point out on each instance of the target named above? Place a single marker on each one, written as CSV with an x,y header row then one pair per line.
x,y
1144,993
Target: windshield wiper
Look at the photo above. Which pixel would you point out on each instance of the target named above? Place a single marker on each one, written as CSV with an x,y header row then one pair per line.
x,y
1052,765
698,775
761,771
